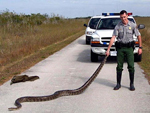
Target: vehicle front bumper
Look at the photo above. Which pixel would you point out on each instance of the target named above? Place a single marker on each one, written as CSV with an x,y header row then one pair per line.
x,y
113,52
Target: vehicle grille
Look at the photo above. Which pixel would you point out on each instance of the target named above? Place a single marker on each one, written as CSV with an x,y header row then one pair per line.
x,y
105,39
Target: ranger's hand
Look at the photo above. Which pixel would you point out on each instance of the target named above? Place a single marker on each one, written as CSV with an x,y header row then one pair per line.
x,y
140,51
107,53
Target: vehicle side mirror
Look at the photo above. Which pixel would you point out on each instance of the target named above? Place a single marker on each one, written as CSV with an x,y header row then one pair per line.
x,y
85,25
141,26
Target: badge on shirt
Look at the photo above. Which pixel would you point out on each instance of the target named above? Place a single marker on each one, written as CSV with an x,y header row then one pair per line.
x,y
129,27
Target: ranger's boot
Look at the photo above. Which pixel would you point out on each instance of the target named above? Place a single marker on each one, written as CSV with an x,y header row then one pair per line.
x,y
119,74
131,75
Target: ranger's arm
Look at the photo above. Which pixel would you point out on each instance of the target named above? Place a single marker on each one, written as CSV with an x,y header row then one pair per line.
x,y
140,45
110,44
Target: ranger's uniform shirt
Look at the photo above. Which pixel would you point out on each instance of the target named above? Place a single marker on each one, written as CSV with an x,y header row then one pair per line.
x,y
124,33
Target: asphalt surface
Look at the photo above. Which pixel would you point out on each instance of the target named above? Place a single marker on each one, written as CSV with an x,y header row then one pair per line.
x,y
70,68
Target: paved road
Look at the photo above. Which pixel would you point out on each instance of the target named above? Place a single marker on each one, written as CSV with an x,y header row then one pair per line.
x,y
69,69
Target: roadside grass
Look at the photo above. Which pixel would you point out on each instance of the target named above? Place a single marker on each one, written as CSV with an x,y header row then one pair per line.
x,y
15,46
145,63
24,43
24,63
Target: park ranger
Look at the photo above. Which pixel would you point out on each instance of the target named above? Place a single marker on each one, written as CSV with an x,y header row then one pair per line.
x,y
124,31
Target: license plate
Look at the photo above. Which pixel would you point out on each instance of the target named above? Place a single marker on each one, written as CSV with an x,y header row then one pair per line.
x,y
113,53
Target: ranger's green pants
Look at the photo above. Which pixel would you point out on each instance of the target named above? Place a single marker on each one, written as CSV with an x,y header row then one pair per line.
x,y
121,54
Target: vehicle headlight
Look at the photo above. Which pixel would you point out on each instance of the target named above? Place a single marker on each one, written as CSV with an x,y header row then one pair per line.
x,y
89,32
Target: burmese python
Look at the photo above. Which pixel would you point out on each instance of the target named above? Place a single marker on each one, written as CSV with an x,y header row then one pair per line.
x,y
60,92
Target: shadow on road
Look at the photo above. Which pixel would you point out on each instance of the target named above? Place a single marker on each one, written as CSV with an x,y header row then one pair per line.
x,y
103,82
84,56
82,42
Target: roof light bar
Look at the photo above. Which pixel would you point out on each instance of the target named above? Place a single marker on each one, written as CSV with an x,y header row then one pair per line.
x,y
112,14
129,14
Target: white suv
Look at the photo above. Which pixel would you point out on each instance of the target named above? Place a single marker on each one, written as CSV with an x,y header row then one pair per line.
x,y
91,27
103,33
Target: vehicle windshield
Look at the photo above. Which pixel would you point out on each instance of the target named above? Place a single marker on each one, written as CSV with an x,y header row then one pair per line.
x,y
93,23
110,23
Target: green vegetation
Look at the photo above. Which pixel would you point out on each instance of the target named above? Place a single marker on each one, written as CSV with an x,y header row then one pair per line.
x,y
145,63
27,39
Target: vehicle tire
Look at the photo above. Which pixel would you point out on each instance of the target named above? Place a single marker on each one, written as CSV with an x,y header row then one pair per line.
x,y
94,57
137,58
87,42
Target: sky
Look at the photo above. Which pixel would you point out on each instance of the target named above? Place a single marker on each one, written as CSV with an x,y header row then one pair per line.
x,y
75,8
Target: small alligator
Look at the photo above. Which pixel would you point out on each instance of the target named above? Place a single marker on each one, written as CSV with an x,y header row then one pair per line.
x,y
23,78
